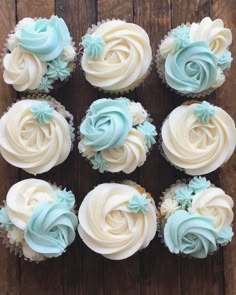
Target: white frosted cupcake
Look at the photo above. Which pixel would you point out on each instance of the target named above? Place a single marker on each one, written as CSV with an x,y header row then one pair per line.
x,y
117,56
39,54
198,138
195,218
194,58
117,220
35,134
37,220
116,135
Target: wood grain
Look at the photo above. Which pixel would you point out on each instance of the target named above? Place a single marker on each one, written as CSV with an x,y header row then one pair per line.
x,y
10,265
154,270
83,269
225,99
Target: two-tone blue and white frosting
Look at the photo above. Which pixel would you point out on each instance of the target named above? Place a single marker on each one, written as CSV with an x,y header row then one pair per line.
x,y
39,219
196,56
201,221
40,52
116,135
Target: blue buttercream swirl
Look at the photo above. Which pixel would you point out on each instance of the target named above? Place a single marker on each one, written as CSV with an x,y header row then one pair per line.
x,y
184,196
5,221
149,131
58,69
192,69
204,111
181,35
93,45
199,183
99,163
139,203
42,112
106,124
46,39
50,229
190,234
65,197
224,62
225,236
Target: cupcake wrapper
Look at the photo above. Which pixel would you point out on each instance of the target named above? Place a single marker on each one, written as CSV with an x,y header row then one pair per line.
x,y
160,66
136,84
57,83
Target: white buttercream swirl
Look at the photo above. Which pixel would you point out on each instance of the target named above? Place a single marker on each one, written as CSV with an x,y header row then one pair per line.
x,y
109,227
24,196
129,156
216,205
214,33
125,59
196,147
22,69
26,144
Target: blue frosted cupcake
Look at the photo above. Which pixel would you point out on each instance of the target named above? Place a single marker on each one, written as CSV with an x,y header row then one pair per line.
x,y
38,220
194,58
39,54
195,219
116,135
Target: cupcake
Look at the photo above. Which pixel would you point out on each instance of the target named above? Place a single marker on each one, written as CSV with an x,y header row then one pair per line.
x,y
37,220
116,135
39,54
36,134
194,58
117,220
195,218
198,138
116,56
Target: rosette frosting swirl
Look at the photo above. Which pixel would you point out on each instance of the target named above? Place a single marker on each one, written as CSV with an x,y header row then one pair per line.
x,y
216,205
129,156
109,227
46,38
214,33
190,234
27,144
50,229
24,196
191,69
124,60
22,69
106,124
197,147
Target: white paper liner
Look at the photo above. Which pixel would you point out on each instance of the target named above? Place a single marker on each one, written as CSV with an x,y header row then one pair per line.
x,y
57,83
148,119
136,84
160,66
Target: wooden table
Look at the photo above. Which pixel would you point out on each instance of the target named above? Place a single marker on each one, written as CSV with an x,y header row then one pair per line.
x,y
153,271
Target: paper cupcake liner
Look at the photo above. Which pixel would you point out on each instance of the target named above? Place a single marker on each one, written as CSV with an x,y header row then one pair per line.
x,y
160,66
126,90
57,83
58,107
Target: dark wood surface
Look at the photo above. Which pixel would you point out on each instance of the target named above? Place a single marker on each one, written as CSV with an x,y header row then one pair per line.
x,y
153,271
